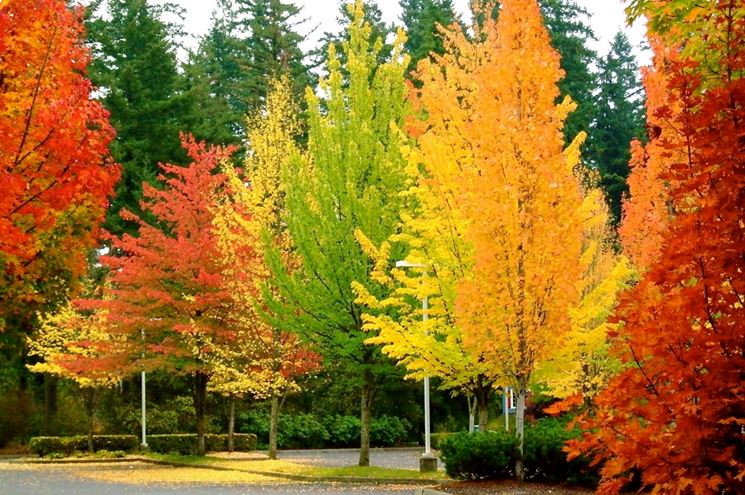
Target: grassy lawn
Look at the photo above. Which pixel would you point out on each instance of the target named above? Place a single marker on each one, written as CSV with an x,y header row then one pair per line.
x,y
285,467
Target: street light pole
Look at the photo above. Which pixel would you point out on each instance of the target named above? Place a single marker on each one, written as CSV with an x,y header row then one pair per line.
x,y
428,462
144,415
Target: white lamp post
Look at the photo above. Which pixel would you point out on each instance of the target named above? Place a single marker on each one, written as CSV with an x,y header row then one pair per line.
x,y
428,461
143,445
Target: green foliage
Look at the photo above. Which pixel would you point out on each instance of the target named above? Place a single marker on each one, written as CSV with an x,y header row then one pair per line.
x,y
186,443
475,456
134,64
421,19
306,431
568,25
67,445
492,455
438,439
619,119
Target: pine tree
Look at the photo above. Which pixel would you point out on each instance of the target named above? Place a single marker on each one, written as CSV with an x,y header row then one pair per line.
x,y
619,119
570,33
421,19
136,69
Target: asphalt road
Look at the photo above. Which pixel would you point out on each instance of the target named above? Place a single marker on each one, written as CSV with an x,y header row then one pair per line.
x,y
22,481
387,458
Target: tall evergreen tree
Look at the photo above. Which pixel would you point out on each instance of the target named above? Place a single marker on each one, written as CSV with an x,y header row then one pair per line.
x,y
567,25
135,66
619,119
250,43
420,19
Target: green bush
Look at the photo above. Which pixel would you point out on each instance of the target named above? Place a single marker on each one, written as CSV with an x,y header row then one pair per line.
x,y
186,443
67,445
475,456
344,431
437,438
493,454
387,431
305,431
544,458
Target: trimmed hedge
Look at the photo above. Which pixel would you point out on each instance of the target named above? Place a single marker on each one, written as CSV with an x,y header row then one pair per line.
x,y
492,455
67,445
186,443
306,431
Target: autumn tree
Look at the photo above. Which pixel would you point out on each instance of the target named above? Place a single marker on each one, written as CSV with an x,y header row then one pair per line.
x,y
486,106
352,167
247,220
55,170
675,412
75,344
168,290
580,368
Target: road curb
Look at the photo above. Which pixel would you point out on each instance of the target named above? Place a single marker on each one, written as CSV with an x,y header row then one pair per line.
x,y
428,491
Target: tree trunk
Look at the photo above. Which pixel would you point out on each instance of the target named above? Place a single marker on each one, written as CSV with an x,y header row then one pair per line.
x,y
471,413
89,401
482,395
231,424
50,402
519,431
200,406
273,421
365,413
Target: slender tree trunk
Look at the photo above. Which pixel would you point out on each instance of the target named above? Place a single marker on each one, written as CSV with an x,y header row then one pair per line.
x,y
50,402
89,401
365,415
200,406
273,421
471,413
519,431
231,424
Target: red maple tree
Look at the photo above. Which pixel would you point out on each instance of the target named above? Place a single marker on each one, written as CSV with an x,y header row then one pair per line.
x,y
168,288
55,169
675,413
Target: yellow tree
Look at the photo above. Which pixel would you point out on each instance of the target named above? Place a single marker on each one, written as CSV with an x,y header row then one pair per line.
x,y
427,342
491,141
266,361
74,343
581,367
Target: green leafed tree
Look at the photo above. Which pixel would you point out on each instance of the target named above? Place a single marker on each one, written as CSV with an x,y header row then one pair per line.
x,y
349,179
134,65
570,33
420,19
619,119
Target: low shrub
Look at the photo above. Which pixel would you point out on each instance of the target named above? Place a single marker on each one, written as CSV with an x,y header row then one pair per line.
x,y
67,445
476,456
186,443
387,431
492,455
437,438
306,431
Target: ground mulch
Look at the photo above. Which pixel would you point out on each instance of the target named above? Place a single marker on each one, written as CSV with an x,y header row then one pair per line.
x,y
509,487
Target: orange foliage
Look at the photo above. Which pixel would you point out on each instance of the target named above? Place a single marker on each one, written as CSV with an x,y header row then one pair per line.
x,y
55,170
676,413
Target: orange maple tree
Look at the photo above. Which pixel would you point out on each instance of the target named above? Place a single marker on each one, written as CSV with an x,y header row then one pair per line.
x,y
168,295
55,169
675,414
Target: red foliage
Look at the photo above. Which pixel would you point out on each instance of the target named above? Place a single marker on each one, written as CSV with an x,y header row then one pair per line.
x,y
168,281
55,170
676,413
